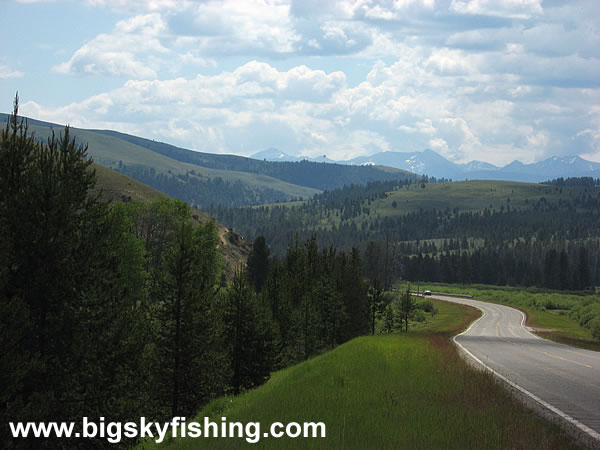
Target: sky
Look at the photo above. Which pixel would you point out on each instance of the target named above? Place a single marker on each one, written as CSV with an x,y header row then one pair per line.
x,y
488,80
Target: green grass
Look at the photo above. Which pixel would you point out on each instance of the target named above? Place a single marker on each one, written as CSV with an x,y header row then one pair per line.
x,y
469,196
114,186
109,150
391,391
547,310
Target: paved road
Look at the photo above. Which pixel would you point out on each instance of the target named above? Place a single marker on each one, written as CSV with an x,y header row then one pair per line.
x,y
566,378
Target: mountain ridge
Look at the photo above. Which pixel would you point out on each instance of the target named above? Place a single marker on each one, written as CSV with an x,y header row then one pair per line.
x,y
431,163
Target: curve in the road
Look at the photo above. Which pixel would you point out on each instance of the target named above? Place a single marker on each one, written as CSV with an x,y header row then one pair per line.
x,y
563,379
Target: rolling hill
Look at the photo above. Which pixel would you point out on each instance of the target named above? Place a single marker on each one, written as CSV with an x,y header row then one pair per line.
x,y
203,179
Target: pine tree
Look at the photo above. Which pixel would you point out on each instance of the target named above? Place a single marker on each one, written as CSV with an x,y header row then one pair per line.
x,y
187,328
375,303
70,287
389,319
249,335
407,304
258,263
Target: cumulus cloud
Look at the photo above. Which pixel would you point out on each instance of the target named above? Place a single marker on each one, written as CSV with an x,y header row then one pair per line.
x,y
517,9
7,72
235,26
493,80
115,54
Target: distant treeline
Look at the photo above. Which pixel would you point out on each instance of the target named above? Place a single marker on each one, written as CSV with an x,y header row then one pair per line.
x,y
505,245
520,265
202,191
322,176
122,310
574,181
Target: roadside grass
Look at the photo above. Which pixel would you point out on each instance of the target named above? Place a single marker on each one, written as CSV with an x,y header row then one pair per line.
x,y
547,311
409,390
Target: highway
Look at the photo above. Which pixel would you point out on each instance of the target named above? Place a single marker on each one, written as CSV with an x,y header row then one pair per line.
x,y
563,379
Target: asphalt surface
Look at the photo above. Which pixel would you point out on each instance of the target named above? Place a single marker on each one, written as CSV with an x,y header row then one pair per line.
x,y
562,378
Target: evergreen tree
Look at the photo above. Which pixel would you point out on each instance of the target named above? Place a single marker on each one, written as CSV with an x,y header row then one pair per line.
x,y
187,328
583,268
564,273
375,302
70,289
354,291
389,318
407,305
258,264
249,335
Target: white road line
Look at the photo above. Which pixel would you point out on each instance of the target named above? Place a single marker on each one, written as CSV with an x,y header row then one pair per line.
x,y
547,405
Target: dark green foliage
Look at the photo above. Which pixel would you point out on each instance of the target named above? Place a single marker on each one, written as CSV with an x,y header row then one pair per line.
x,y
66,297
250,335
114,310
510,246
201,191
389,319
407,305
186,326
376,303
258,263
318,299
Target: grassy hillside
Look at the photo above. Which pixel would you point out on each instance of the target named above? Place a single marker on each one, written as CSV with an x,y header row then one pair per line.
x,y
204,178
304,173
392,391
112,152
463,196
475,195
114,186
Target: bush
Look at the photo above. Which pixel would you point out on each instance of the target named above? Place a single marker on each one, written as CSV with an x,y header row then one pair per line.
x,y
426,305
418,316
595,327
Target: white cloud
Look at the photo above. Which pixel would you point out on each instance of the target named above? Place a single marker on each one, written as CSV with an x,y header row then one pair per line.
x,y
116,54
7,72
235,26
137,5
516,9
493,80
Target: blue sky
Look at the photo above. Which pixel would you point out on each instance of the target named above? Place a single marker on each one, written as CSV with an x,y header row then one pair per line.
x,y
492,80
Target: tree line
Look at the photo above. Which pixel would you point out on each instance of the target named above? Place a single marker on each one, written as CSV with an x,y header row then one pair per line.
x,y
516,242
122,310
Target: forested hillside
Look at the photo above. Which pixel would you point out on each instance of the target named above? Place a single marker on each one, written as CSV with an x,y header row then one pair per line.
x,y
122,309
203,179
485,232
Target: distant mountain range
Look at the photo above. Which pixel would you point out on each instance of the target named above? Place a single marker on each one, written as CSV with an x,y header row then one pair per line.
x,y
269,176
204,179
431,163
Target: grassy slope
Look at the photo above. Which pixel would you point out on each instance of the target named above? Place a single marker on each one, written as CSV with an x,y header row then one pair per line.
x,y
560,327
473,195
468,196
392,391
108,151
114,186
